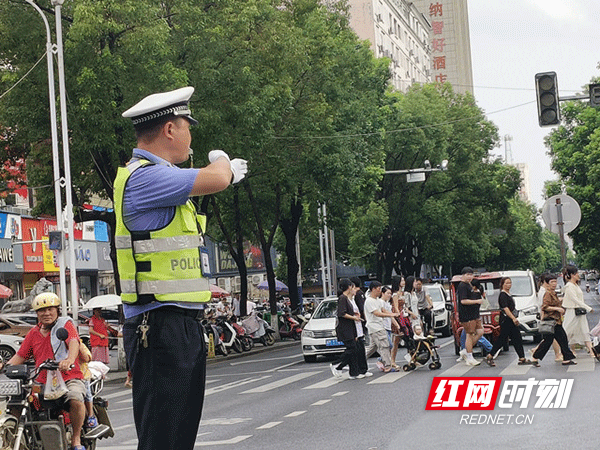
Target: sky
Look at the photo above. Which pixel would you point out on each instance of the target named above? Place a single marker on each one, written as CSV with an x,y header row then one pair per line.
x,y
511,41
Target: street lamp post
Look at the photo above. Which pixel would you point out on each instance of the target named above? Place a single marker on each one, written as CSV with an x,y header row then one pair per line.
x,y
66,159
60,182
50,50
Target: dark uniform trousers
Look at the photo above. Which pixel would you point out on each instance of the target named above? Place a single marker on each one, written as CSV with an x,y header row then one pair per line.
x,y
168,378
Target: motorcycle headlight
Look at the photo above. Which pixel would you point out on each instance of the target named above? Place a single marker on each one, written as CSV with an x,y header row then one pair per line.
x,y
308,333
10,387
530,311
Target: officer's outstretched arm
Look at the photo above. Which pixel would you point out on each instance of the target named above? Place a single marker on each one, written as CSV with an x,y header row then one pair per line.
x,y
213,178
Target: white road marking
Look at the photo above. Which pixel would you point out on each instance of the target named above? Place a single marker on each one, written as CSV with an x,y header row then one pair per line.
x,y
585,363
117,394
515,369
235,440
388,377
233,384
295,414
325,383
268,425
266,359
339,394
456,370
280,383
223,421
123,427
321,402
120,409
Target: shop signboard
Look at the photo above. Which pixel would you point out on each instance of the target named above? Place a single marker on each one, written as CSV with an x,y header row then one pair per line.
x,y
33,253
11,257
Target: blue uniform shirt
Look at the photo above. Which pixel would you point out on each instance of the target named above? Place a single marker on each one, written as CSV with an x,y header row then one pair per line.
x,y
151,195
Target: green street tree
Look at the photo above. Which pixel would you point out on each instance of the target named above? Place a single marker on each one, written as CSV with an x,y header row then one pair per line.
x,y
287,86
449,219
574,149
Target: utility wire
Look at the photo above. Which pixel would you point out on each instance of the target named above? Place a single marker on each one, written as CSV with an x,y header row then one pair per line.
x,y
24,76
400,130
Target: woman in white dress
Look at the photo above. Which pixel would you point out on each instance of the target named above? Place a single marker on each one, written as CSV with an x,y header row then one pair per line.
x,y
576,327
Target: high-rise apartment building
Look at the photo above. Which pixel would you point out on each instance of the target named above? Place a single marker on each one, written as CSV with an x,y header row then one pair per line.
x,y
524,191
397,29
450,42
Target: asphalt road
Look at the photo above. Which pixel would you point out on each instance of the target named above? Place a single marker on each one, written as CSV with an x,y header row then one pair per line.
x,y
276,400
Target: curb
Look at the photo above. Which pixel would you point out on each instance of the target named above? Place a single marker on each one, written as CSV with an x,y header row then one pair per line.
x,y
119,376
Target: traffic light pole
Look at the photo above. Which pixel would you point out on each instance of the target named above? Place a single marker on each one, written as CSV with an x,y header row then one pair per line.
x,y
573,97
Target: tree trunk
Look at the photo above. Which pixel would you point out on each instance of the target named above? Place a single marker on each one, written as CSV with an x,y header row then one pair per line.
x,y
290,229
237,252
266,242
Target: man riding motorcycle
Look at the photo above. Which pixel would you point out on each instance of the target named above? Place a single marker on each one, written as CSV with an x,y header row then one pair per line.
x,y
39,344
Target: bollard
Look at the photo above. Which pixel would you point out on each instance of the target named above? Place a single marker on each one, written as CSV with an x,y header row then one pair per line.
x,y
211,346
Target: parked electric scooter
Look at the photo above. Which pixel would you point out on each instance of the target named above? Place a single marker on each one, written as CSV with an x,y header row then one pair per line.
x,y
258,329
302,319
211,329
228,334
245,340
288,326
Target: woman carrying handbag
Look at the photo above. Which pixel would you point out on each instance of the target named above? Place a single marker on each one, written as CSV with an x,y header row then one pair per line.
x,y
509,325
552,310
575,325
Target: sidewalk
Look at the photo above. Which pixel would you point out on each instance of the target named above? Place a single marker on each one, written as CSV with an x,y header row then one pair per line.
x,y
116,375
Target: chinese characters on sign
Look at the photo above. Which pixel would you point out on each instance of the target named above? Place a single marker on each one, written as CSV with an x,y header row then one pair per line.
x,y
438,41
481,393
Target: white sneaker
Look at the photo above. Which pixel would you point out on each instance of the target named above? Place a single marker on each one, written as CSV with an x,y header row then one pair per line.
x,y
351,377
361,375
368,374
462,354
472,362
336,373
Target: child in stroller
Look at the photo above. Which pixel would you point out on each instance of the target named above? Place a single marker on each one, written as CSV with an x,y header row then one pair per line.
x,y
421,349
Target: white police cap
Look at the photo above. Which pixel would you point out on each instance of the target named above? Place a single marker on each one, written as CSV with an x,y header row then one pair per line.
x,y
159,105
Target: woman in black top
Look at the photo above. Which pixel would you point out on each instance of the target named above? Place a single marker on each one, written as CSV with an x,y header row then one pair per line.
x,y
509,324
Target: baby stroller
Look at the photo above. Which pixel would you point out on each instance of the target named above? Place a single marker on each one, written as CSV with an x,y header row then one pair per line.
x,y
420,350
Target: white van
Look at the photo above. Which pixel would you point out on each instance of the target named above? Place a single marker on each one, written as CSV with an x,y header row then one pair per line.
x,y
524,291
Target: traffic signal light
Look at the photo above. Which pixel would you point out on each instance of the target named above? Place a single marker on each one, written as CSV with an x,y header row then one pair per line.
x,y
594,95
546,87
55,240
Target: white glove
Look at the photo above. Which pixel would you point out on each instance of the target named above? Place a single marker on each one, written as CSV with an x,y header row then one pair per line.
x,y
239,168
213,155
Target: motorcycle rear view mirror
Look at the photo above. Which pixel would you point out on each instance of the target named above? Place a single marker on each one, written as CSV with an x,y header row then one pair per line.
x,y
62,334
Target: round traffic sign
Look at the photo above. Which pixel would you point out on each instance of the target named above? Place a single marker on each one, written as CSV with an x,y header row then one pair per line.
x,y
561,205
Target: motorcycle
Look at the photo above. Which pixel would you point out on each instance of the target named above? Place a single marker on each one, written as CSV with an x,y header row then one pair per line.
x,y
289,327
28,421
228,334
258,329
211,329
245,340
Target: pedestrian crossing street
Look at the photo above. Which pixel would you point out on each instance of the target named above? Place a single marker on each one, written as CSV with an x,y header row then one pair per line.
x,y
316,378
306,377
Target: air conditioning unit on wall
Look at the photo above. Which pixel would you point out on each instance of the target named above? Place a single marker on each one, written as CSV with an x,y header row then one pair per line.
x,y
224,283
256,279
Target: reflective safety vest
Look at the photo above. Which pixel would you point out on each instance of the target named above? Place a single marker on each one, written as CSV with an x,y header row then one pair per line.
x,y
162,265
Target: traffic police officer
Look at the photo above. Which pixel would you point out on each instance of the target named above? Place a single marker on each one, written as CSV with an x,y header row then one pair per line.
x,y
161,260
